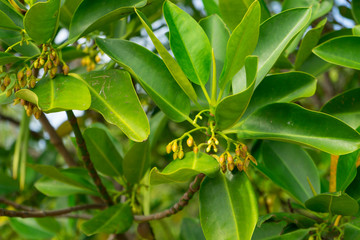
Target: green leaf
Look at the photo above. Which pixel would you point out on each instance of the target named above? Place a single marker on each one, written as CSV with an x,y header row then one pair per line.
x,y
189,43
6,58
354,188
288,166
295,235
352,229
334,203
355,9
151,73
268,230
14,15
290,122
345,107
158,123
212,7
341,51
299,220
42,20
7,23
7,184
308,43
181,170
12,37
62,183
242,43
231,108
91,15
275,34
67,11
356,30
29,228
58,94
103,152
233,11
282,87
346,170
136,162
218,35
114,97
115,219
228,207
170,62
191,230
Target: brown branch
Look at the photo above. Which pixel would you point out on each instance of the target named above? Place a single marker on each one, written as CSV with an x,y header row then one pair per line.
x,y
15,205
57,141
36,135
52,213
86,158
184,200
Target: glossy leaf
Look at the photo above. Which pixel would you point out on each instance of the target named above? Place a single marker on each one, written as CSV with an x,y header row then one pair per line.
x,y
114,97
30,228
151,73
233,11
191,230
12,37
115,219
346,107
136,162
157,124
170,62
7,23
62,183
297,219
103,153
91,15
67,11
231,108
211,7
308,43
6,58
242,43
356,30
218,35
275,35
354,188
346,170
355,9
335,203
228,207
282,87
295,235
58,94
14,15
189,43
352,229
182,170
42,20
289,166
290,122
341,51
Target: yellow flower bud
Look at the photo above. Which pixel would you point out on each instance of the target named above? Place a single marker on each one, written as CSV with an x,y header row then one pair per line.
x,y
168,148
190,141
66,69
175,155
174,147
181,154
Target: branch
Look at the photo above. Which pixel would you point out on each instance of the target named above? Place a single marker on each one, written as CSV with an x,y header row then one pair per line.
x,y
53,213
184,200
86,158
36,135
56,141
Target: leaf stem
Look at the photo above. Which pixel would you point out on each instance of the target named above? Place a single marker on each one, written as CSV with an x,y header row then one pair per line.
x,y
86,158
184,200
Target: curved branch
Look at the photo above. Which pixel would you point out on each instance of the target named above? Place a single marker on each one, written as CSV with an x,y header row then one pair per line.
x,y
184,200
57,141
86,158
53,213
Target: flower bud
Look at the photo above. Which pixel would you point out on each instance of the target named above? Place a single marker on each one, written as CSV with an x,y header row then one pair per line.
x,y
175,155
195,149
190,141
7,81
32,82
181,154
251,158
28,72
237,151
208,149
22,102
36,64
168,148
8,93
240,165
97,58
222,159
41,61
231,166
66,69
37,114
16,101
223,168
2,87
174,147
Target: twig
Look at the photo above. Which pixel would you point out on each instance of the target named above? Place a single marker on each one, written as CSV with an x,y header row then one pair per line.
x,y
36,135
56,141
52,213
15,205
184,200
86,158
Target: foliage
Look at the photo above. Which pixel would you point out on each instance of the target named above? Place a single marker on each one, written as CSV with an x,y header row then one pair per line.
x,y
254,108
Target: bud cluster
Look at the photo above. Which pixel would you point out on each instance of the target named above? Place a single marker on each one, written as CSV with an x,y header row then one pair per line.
x,y
91,58
241,159
177,149
49,60
30,108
